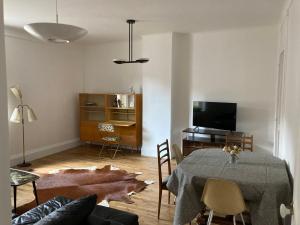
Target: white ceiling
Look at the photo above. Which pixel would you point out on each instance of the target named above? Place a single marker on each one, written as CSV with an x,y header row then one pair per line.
x,y
105,19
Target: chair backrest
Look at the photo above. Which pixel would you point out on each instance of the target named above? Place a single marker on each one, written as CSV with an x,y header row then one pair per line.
x,y
232,140
178,153
223,196
106,127
248,142
163,157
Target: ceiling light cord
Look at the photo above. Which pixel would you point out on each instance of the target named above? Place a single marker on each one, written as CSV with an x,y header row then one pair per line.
x,y
56,11
129,38
131,42
130,26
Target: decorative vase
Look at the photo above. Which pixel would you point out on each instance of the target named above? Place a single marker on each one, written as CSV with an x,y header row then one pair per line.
x,y
233,158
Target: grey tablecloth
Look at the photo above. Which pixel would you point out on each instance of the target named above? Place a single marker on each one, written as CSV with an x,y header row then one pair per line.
x,y
262,178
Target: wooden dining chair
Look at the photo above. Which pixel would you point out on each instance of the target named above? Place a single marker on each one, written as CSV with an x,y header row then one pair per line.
x,y
178,153
223,197
163,158
232,140
247,142
108,136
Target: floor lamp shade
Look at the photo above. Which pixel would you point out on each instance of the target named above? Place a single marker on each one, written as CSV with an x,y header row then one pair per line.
x,y
16,116
16,91
31,115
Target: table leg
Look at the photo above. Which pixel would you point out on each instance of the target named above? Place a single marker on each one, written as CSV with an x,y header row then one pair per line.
x,y
15,199
35,193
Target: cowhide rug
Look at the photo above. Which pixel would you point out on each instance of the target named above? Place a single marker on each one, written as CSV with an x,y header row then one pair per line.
x,y
108,183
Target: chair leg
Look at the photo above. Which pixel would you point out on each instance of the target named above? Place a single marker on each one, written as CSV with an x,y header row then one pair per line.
x,y
234,222
116,151
211,214
242,218
159,203
101,150
169,196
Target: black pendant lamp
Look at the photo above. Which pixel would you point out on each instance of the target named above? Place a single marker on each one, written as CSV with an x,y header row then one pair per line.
x,y
123,61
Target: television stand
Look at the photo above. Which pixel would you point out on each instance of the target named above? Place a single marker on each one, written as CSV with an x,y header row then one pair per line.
x,y
195,128
199,137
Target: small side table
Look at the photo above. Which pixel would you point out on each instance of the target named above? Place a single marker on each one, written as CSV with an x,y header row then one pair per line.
x,y
21,177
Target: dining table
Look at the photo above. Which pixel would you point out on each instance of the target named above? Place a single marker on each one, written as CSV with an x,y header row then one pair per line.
x,y
263,179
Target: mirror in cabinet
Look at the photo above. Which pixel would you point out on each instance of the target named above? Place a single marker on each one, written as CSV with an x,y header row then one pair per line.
x,y
121,108
121,101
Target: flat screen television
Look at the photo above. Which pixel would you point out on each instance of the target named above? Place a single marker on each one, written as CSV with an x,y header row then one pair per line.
x,y
218,115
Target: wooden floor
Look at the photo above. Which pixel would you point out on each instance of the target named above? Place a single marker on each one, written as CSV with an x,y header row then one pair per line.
x,y
145,203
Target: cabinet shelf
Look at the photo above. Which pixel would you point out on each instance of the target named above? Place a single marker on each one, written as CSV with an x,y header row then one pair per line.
x,y
91,107
92,121
93,111
124,113
120,123
121,108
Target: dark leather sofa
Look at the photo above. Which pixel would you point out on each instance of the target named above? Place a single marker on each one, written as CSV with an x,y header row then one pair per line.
x,y
63,211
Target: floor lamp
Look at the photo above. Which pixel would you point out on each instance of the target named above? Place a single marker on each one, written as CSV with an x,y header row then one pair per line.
x,y
18,117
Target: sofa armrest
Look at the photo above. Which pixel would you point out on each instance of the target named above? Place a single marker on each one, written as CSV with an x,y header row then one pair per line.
x,y
34,215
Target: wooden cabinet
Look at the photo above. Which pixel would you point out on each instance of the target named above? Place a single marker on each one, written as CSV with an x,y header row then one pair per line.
x,y
124,111
197,138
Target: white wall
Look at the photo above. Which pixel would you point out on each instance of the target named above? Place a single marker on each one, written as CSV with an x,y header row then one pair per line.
x,y
296,199
156,91
290,126
103,75
239,66
230,65
5,205
50,76
290,129
181,65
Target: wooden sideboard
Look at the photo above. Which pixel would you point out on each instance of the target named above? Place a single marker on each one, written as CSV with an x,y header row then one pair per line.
x,y
196,138
124,111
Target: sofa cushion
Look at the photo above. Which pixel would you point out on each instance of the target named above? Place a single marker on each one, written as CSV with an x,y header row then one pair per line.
x,y
114,216
14,215
34,215
73,213
96,220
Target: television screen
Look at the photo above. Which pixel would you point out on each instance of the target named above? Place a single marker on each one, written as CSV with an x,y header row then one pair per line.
x,y
218,115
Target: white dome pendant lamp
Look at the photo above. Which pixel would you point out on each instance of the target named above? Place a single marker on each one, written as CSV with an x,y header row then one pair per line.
x,y
55,32
130,60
